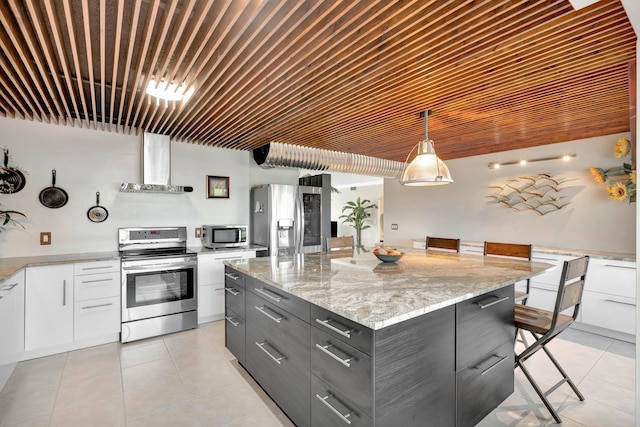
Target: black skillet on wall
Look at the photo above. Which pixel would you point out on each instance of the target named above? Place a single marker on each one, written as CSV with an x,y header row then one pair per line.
x,y
97,213
53,197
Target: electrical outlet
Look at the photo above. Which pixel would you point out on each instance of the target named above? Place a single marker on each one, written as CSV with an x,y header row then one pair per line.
x,y
198,232
45,238
394,226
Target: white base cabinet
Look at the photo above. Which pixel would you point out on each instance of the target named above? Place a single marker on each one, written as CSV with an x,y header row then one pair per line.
x,y
97,299
609,299
211,282
48,306
71,306
11,324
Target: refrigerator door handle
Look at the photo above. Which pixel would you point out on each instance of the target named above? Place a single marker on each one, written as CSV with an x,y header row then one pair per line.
x,y
299,226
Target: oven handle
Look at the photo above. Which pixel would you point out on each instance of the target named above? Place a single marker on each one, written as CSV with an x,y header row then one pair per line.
x,y
156,267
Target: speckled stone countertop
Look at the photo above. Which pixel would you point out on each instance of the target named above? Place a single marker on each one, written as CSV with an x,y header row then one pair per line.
x,y
8,266
375,294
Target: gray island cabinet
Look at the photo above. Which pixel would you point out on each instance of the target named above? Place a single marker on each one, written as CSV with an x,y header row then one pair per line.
x,y
342,339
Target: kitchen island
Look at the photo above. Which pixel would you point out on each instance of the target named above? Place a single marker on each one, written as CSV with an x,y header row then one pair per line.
x,y
343,339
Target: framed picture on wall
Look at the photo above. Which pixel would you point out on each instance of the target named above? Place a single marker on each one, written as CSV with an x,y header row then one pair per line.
x,y
217,187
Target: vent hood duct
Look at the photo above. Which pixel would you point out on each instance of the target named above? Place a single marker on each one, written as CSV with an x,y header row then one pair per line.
x,y
156,168
277,154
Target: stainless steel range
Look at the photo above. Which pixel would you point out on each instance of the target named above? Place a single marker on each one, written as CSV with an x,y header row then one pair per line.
x,y
159,282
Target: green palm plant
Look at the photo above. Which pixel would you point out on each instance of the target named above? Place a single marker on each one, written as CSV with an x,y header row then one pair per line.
x,y
6,218
357,215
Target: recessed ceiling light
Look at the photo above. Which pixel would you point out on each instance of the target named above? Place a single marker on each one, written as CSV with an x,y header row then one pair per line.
x,y
169,91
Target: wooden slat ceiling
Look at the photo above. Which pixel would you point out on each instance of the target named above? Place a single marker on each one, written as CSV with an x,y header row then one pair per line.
x,y
342,75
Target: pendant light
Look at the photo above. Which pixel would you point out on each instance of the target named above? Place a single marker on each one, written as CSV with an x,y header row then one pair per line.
x,y
426,168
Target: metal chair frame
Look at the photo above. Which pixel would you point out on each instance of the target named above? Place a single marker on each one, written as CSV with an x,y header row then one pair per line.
x,y
514,250
545,325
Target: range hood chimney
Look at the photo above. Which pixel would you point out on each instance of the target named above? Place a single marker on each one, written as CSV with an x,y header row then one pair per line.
x,y
156,167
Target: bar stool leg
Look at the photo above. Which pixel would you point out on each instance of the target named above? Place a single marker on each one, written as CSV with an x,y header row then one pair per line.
x,y
564,374
539,391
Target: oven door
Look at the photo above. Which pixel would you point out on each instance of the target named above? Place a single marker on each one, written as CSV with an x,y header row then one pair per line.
x,y
157,287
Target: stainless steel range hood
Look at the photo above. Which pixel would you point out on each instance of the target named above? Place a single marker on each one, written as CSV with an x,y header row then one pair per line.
x,y
156,167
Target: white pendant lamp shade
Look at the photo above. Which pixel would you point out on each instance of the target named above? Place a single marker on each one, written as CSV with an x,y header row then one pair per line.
x,y
426,168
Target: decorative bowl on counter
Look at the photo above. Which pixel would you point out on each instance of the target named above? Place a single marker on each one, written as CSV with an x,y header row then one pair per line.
x,y
388,257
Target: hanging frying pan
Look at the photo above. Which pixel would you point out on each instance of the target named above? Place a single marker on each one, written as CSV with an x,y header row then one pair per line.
x,y
11,180
53,197
97,213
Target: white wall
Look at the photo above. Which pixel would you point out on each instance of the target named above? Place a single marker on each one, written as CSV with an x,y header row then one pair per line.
x,y
461,209
372,192
89,160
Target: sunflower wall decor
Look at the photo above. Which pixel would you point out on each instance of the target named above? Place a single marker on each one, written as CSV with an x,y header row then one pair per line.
x,y
619,181
542,193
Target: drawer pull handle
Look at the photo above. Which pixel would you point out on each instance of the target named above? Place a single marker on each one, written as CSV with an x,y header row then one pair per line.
x,y
620,266
232,276
268,293
344,418
278,360
230,320
8,287
227,258
325,350
98,280
344,333
97,268
490,368
232,291
484,304
97,306
620,302
264,311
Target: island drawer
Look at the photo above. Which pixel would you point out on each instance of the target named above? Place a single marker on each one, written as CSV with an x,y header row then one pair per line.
x,y
285,332
278,297
329,408
233,278
234,296
484,323
347,370
346,330
285,383
234,329
484,384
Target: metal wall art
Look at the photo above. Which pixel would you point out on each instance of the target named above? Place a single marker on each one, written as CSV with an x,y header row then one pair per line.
x,y
542,193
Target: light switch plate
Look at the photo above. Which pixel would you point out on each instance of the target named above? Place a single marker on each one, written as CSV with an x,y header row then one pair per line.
x,y
45,238
198,232
394,226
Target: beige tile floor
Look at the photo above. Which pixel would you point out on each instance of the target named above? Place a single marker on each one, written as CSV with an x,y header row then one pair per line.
x,y
190,379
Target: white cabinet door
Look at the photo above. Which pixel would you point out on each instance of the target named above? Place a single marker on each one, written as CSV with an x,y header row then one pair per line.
x,y
211,283
48,306
94,318
609,311
11,324
609,299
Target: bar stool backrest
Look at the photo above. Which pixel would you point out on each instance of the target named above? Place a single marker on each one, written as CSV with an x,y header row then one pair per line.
x,y
443,243
345,242
508,249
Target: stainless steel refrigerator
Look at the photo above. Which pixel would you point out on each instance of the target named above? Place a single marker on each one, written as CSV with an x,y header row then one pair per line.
x,y
288,219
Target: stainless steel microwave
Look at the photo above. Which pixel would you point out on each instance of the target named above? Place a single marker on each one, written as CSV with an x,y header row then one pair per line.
x,y
224,236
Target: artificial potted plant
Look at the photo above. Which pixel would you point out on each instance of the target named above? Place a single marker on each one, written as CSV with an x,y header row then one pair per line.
x,y
358,212
6,218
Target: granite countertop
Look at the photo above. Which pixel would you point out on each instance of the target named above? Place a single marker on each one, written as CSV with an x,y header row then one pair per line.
x,y
8,266
375,294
